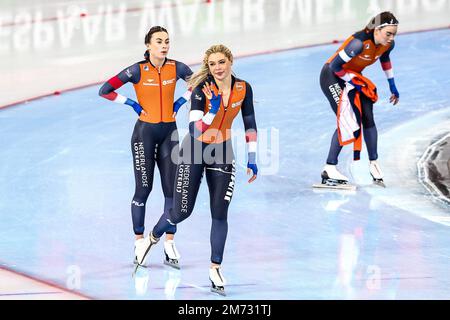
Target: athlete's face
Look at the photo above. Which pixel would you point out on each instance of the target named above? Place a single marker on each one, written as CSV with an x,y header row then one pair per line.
x,y
385,35
219,66
159,45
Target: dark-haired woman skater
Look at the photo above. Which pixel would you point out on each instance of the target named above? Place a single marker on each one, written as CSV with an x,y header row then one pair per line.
x,y
360,50
155,136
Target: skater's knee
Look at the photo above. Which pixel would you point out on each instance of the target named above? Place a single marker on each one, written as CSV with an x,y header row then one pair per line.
x,y
141,196
368,120
139,201
368,123
168,204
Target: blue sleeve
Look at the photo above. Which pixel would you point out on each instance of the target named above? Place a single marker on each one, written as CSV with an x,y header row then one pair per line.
x,y
248,112
183,71
352,49
385,56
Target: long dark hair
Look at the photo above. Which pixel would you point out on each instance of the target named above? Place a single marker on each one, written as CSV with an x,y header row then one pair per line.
x,y
148,38
381,20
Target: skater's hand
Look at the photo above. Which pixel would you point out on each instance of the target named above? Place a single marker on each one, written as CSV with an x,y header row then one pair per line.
x,y
177,105
395,95
394,99
252,168
208,90
136,107
180,101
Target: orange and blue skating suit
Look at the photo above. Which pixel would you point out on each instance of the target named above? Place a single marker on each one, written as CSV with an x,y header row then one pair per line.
x,y
155,136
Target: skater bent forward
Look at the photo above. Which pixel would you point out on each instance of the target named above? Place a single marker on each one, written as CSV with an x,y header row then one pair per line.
x,y
360,50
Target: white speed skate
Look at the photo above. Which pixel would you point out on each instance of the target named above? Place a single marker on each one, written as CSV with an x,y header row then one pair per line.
x,y
171,254
217,280
333,179
142,247
376,173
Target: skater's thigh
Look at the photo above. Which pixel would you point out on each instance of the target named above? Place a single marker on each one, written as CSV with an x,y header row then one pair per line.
x,y
142,147
368,120
187,183
167,159
331,86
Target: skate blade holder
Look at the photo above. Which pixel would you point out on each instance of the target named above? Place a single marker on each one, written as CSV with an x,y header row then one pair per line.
x,y
219,290
172,263
379,182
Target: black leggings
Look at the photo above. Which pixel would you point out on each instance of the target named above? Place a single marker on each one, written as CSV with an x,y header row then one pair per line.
x,y
332,87
217,162
150,143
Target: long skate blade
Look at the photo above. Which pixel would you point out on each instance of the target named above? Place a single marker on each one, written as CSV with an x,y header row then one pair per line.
x,y
172,263
379,183
219,290
349,187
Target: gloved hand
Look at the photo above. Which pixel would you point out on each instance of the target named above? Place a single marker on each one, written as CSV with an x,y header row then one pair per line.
x,y
393,88
395,95
208,91
215,102
252,168
136,106
178,103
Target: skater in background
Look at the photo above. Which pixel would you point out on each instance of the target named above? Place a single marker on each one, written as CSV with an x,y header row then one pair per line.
x,y
217,98
155,134
343,70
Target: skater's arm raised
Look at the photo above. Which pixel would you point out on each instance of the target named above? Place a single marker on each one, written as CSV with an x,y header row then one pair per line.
x,y
199,122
